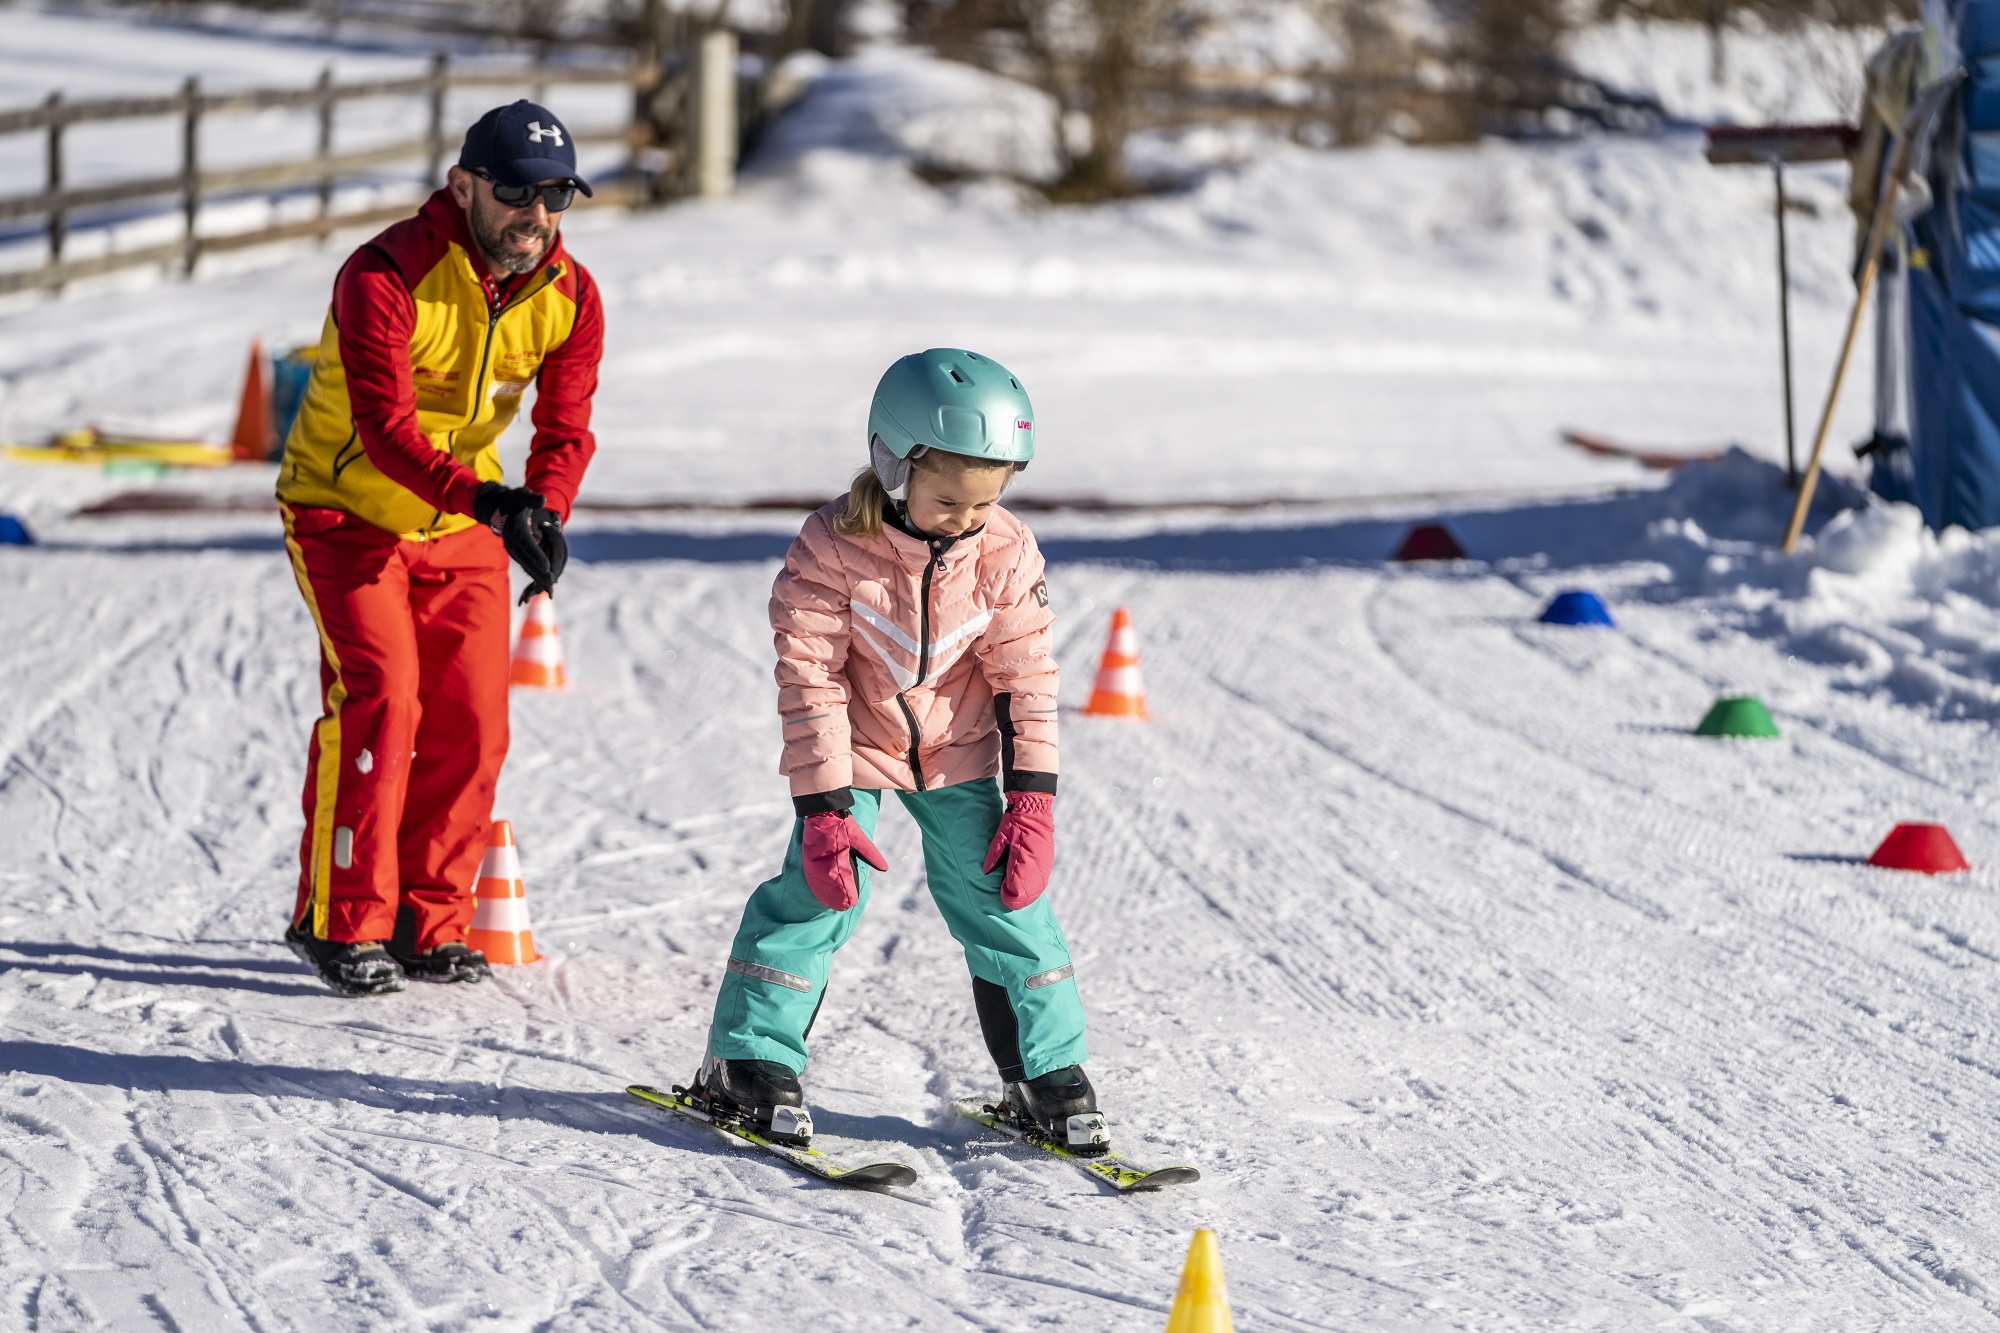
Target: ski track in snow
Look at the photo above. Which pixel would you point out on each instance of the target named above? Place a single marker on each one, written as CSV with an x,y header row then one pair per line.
x,y
1482,995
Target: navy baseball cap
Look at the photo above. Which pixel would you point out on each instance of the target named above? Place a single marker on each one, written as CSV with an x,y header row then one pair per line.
x,y
521,144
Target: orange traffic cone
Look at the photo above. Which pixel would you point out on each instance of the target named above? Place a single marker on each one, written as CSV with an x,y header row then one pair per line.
x,y
500,903
256,437
1119,692
538,660
1201,1305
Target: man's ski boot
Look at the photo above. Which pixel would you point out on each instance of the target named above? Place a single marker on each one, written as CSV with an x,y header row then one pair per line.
x,y
1059,1106
364,968
761,1094
456,961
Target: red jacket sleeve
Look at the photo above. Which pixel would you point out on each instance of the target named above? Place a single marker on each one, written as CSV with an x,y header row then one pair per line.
x,y
563,443
376,316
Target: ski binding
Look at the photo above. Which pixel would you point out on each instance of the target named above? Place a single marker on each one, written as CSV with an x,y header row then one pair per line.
x,y
1091,1153
807,1159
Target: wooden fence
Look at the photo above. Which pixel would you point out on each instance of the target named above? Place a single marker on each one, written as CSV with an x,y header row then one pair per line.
x,y
59,202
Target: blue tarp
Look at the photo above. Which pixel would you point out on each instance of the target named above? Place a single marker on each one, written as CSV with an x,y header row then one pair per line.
x,y
1938,387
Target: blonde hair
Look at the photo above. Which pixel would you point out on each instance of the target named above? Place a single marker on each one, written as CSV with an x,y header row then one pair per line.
x,y
867,501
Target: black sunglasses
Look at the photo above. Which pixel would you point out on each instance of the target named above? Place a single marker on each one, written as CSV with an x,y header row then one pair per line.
x,y
555,198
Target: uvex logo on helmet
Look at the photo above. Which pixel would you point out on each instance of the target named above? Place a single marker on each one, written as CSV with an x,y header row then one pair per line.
x,y
1022,423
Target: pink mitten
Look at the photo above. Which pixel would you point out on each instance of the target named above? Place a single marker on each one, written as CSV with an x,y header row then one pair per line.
x,y
1027,838
830,838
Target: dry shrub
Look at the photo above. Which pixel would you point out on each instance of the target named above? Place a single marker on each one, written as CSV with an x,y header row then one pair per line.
x,y
1486,66
1117,64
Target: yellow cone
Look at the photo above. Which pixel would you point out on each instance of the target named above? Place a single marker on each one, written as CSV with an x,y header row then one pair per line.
x,y
1202,1303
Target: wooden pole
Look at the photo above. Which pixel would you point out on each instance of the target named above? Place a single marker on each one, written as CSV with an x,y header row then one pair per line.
x,y
325,90
649,60
1878,232
191,171
58,215
1785,328
440,84
715,124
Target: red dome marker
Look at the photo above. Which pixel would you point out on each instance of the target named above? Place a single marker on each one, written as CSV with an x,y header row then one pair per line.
x,y
1429,541
1922,847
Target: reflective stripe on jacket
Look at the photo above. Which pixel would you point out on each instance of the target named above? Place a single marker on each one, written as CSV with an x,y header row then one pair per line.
x,y
423,361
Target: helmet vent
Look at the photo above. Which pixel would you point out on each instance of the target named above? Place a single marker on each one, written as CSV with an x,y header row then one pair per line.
x,y
953,372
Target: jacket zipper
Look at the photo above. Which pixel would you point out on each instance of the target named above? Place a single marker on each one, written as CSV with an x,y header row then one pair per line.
x,y
916,763
931,566
493,313
935,563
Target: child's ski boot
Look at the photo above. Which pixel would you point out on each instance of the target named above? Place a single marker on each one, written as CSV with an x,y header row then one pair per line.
x,y
1061,1107
761,1094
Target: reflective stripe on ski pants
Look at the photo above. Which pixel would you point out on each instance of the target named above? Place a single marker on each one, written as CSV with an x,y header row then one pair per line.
x,y
778,964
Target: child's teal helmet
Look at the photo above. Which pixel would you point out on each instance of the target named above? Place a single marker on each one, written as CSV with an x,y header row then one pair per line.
x,y
950,399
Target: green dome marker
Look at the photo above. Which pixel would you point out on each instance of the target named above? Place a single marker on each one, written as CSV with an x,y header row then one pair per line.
x,y
1737,715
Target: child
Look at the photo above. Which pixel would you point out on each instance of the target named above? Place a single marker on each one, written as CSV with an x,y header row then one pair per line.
x,y
912,625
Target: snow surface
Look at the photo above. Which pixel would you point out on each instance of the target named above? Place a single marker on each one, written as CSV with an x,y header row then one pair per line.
x,y
899,102
1811,74
1482,993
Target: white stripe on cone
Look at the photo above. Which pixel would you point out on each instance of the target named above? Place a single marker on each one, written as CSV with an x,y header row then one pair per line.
x,y
509,915
1122,680
502,862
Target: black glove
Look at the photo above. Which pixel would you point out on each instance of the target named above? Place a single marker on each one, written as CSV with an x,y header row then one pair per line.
x,y
532,531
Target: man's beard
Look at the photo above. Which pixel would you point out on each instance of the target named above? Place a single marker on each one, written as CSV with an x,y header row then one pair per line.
x,y
493,238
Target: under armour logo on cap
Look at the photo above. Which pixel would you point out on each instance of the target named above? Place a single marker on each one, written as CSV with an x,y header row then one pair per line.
x,y
521,144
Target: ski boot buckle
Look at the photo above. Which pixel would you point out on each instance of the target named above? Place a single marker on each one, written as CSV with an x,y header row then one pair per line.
x,y
1087,1134
793,1123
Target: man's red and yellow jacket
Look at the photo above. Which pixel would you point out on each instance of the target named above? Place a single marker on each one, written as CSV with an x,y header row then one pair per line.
x,y
423,360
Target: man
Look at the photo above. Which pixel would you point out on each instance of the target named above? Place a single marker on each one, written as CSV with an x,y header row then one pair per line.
x,y
399,528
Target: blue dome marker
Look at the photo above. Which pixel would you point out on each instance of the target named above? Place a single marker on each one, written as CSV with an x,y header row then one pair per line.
x,y
13,532
1578,606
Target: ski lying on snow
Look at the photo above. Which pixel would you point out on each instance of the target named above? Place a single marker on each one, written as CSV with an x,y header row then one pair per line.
x,y
1659,460
1121,1173
808,1160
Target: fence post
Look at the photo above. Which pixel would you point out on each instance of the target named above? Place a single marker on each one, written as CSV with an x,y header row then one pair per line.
x,y
325,91
58,214
440,82
714,129
648,71
191,169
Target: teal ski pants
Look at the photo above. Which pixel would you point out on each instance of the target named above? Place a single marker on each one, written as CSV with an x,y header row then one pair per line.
x,y
778,963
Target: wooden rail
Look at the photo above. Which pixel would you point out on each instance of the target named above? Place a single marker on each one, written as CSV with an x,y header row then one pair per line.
x,y
58,200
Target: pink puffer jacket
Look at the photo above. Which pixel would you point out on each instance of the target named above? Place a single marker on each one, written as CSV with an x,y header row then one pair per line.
x,y
899,670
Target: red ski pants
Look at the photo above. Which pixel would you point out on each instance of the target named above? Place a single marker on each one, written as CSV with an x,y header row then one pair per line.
x,y
403,760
